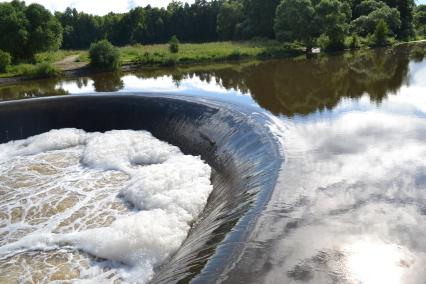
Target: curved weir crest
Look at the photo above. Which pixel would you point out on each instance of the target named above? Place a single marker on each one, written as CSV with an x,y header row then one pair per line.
x,y
238,144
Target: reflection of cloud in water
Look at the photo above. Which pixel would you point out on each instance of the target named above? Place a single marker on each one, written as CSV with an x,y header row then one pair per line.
x,y
74,88
352,202
165,84
418,73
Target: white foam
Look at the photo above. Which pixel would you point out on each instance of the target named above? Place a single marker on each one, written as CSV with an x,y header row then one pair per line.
x,y
168,189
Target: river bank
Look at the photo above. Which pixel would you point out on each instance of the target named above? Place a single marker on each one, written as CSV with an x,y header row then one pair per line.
x,y
69,64
76,63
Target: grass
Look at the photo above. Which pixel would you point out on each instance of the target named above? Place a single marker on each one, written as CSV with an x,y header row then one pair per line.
x,y
54,56
159,54
44,65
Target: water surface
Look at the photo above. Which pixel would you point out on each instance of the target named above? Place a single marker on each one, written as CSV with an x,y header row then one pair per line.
x,y
351,202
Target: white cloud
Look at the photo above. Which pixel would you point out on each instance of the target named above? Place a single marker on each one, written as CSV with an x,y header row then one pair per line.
x,y
99,7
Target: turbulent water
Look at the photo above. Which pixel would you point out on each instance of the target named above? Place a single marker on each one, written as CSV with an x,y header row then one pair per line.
x,y
95,206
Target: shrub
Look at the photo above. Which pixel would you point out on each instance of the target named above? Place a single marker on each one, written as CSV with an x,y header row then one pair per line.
x,y
104,55
41,70
174,44
380,34
354,42
5,60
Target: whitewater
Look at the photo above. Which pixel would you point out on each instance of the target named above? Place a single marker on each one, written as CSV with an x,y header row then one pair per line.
x,y
95,207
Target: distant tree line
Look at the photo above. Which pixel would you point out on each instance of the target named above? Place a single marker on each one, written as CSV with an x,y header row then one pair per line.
x,y
26,30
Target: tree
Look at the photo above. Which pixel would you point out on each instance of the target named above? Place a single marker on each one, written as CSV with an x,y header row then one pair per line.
x,y
406,10
25,31
365,25
45,31
420,18
380,34
5,60
295,21
80,29
366,7
259,18
13,29
333,17
230,15
104,55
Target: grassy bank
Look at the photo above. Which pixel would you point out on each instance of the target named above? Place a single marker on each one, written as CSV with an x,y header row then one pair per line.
x,y
159,55
51,64
156,55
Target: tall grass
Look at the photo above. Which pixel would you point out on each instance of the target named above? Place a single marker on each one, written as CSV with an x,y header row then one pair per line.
x,y
159,54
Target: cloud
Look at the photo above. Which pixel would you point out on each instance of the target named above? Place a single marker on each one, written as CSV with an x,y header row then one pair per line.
x,y
98,7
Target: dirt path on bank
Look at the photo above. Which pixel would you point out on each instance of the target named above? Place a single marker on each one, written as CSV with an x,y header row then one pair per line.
x,y
70,63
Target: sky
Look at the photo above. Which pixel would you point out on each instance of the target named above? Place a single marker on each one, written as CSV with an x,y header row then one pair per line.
x,y
100,7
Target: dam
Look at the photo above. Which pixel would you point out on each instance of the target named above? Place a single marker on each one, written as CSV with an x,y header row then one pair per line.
x,y
244,156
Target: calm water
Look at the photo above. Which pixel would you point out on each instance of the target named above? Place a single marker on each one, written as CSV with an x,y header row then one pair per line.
x,y
351,206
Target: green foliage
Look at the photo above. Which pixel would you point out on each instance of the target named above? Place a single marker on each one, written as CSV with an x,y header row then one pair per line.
x,y
24,31
230,15
295,21
333,17
366,7
365,25
259,18
41,70
27,30
5,60
420,18
380,34
13,29
174,44
354,42
104,55
406,11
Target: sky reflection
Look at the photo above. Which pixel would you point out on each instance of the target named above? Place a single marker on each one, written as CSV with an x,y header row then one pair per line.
x,y
351,207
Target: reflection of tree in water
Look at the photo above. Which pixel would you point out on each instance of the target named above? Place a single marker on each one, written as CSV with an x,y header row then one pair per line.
x,y
289,87
301,86
108,82
31,89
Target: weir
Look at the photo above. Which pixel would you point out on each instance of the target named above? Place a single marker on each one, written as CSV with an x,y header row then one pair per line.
x,y
235,141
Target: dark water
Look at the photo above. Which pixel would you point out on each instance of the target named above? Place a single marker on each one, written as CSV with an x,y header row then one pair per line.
x,y
351,202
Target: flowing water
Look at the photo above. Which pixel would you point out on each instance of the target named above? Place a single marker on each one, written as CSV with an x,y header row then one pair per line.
x,y
350,206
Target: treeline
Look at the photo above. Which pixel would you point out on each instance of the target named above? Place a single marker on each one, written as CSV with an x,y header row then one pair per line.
x,y
334,24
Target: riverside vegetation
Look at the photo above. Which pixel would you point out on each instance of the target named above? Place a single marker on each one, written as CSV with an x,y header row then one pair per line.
x,y
36,43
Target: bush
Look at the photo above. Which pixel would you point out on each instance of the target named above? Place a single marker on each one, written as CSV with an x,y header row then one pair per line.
x,y
5,60
174,44
380,34
354,42
104,55
41,70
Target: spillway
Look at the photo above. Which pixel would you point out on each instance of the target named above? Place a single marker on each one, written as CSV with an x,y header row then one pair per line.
x,y
236,142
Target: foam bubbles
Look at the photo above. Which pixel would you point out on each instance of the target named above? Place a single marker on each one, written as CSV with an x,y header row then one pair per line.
x,y
122,196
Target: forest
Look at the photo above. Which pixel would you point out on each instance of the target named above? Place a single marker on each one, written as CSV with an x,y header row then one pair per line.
x,y
331,24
